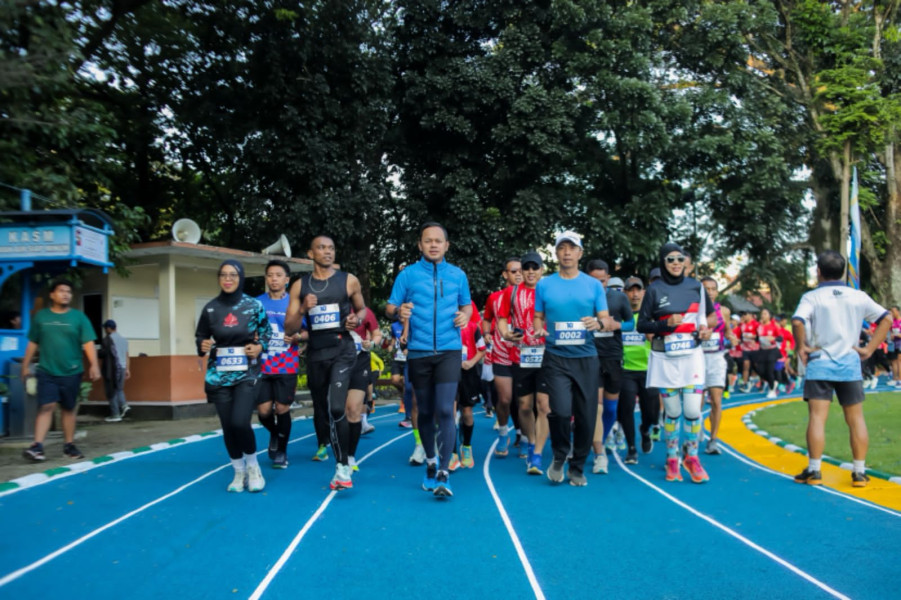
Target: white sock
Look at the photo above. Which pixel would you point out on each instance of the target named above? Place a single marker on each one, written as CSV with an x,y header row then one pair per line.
x,y
238,464
365,420
503,430
251,460
432,461
814,464
351,461
859,466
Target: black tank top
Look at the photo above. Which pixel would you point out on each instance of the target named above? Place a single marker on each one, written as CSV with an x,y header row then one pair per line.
x,y
328,319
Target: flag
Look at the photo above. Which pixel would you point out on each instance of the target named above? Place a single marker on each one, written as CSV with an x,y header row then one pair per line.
x,y
854,253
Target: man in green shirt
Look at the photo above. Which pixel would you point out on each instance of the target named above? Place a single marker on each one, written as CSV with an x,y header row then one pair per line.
x,y
61,333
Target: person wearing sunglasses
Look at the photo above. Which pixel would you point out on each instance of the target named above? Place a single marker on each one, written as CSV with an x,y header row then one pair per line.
x,y
232,332
678,311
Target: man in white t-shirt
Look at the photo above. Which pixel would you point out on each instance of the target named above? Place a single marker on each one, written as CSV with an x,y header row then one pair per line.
x,y
826,327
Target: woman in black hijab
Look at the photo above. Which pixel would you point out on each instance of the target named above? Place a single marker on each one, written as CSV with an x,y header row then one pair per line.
x,y
233,331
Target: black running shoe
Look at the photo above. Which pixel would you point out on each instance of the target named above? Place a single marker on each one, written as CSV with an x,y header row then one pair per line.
x,y
631,457
647,444
70,451
809,477
35,452
280,461
859,479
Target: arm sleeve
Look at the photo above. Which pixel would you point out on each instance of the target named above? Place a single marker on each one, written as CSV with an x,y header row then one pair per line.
x,y
646,321
263,329
203,330
503,310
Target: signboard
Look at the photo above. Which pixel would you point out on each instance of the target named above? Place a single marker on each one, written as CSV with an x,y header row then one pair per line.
x,y
72,240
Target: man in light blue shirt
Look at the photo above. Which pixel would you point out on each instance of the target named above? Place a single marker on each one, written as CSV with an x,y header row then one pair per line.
x,y
569,305
826,326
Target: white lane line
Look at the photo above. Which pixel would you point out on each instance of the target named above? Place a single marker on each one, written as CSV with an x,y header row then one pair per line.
x,y
520,552
803,574
264,584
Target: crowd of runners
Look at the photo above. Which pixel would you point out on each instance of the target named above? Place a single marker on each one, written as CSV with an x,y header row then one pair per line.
x,y
562,358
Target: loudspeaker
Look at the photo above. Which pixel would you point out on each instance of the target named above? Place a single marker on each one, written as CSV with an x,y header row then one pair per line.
x,y
186,230
280,247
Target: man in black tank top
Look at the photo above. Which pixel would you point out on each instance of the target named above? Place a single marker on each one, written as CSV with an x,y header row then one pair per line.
x,y
333,305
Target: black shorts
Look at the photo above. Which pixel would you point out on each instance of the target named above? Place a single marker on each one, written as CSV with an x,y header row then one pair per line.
x,y
525,381
444,367
610,375
502,370
397,368
849,393
892,355
277,388
59,388
561,377
470,388
359,377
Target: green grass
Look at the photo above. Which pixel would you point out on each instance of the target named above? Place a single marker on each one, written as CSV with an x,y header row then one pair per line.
x,y
883,415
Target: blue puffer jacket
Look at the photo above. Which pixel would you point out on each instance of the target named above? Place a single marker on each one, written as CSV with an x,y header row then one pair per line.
x,y
437,292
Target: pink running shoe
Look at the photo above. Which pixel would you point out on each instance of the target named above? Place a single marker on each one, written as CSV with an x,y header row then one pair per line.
x,y
673,473
694,468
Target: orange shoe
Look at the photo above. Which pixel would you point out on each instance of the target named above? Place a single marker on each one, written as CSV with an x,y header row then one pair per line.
x,y
695,470
673,473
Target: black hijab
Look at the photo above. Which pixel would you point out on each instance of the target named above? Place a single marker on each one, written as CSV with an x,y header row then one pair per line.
x,y
233,297
669,248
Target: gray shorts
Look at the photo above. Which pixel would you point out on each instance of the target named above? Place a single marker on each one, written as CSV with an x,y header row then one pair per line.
x,y
849,393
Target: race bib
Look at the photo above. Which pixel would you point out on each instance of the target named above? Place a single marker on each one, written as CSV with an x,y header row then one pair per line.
x,y
603,334
633,338
358,341
324,317
570,333
277,340
530,357
896,332
679,344
767,342
713,344
231,358
748,337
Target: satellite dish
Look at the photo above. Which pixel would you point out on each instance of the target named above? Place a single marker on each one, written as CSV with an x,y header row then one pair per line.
x,y
186,230
280,247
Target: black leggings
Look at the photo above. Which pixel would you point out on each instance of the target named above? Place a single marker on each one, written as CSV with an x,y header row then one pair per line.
x,y
234,405
435,380
766,365
633,385
328,377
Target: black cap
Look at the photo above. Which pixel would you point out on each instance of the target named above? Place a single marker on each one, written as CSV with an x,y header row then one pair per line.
x,y
109,324
655,274
632,282
531,257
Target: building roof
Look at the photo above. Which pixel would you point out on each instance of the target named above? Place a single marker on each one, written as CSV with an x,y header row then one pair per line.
x,y
186,250
739,304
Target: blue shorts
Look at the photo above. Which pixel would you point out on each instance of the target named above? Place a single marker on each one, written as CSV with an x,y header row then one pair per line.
x,y
59,388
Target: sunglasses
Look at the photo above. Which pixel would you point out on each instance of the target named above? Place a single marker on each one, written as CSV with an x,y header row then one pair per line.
x,y
531,267
675,259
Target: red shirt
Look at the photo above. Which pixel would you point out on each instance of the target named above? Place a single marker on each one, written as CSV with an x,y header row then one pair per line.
x,y
768,335
471,335
500,348
522,316
369,323
747,333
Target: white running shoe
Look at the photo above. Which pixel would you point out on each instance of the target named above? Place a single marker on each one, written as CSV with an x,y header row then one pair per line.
x,y
418,456
772,394
255,481
237,484
600,464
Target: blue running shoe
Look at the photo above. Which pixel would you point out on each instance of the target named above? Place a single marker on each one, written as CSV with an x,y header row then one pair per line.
x,y
429,482
534,465
523,447
442,485
503,441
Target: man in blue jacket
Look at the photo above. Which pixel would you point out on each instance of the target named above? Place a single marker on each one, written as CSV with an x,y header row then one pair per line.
x,y
433,296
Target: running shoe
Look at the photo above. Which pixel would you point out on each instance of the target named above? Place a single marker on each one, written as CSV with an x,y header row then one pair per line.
x,y
454,463
773,393
610,442
467,460
70,451
406,424
418,456
503,441
523,447
430,481
367,428
712,447
600,464
280,461
655,433
673,473
442,485
400,408
631,457
35,452
859,480
352,463
341,480
489,414
577,478
321,453
809,477
255,481
620,438
112,419
534,467
790,388
695,470
273,445
647,444
237,484
496,425
746,388
125,410
555,471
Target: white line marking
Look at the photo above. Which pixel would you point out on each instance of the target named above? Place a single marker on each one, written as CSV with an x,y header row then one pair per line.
x,y
264,584
520,552
733,533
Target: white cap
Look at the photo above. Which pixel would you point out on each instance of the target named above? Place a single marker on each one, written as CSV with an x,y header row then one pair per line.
x,y
615,282
568,236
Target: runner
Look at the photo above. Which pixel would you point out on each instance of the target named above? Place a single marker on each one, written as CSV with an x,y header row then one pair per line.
x,y
469,390
894,354
433,296
515,324
715,348
399,377
769,338
609,346
365,336
673,310
747,333
333,305
278,380
234,331
636,350
826,325
570,304
501,357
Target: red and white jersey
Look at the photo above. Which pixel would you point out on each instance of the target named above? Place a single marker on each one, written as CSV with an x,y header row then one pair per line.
x,y
472,339
500,348
768,335
520,314
788,343
747,333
